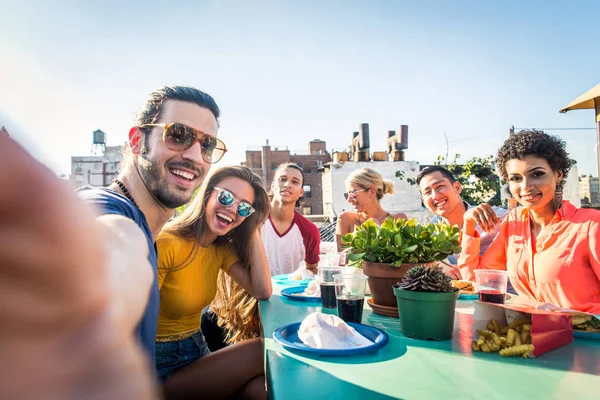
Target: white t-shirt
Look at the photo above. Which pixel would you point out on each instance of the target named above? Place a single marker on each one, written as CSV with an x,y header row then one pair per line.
x,y
287,250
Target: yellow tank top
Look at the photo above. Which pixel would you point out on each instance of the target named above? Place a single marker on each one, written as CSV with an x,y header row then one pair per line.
x,y
186,290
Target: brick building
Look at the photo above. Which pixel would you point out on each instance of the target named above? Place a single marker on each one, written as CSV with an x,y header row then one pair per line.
x,y
264,162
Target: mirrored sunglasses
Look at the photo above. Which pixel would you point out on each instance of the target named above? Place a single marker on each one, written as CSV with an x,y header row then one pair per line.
x,y
226,198
180,137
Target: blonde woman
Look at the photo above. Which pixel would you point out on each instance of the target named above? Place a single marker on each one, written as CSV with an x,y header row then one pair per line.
x,y
364,190
216,238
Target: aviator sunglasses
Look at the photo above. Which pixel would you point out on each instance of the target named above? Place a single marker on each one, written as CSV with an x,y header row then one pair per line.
x,y
353,193
226,198
180,137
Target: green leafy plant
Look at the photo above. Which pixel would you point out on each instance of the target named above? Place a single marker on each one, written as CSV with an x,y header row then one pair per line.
x,y
401,241
426,279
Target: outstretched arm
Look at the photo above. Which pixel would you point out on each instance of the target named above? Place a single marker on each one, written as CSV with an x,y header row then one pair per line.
x,y
58,290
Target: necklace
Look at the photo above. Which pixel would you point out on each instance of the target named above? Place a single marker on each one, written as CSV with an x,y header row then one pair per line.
x,y
125,192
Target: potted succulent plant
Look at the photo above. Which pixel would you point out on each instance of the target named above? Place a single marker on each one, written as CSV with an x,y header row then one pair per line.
x,y
426,303
388,251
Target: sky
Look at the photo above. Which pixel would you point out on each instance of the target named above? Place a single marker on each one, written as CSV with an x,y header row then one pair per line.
x,y
292,71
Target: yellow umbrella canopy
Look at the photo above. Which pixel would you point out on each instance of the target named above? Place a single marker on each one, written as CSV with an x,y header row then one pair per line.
x,y
590,99
586,100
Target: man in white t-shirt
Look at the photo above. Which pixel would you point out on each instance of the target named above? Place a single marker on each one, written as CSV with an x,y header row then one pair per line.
x,y
289,238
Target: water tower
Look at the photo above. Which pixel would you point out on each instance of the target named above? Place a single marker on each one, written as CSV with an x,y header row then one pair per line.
x,y
99,143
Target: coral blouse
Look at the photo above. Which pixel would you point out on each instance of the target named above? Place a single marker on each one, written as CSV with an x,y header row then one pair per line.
x,y
561,266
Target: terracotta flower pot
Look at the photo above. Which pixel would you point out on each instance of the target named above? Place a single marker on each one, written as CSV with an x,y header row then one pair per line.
x,y
382,278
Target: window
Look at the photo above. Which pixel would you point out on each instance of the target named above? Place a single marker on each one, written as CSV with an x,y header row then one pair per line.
x,y
307,210
307,191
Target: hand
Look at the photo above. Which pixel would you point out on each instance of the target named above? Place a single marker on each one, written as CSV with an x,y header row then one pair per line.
x,y
482,215
56,293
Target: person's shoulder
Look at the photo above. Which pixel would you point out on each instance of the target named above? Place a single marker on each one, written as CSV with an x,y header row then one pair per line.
x,y
347,216
168,240
109,202
581,214
304,223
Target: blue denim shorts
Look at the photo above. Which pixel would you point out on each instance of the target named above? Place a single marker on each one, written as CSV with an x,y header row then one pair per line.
x,y
171,356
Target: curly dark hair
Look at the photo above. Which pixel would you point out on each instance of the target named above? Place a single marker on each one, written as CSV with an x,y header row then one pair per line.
x,y
535,143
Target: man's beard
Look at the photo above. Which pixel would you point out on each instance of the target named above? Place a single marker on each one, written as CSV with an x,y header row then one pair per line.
x,y
157,185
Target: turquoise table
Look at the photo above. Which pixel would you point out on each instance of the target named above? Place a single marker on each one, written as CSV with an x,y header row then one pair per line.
x,y
415,369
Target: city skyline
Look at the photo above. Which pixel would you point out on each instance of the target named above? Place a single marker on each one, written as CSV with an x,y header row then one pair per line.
x,y
291,72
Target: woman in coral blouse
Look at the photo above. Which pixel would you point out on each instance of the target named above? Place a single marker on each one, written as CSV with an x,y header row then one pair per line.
x,y
214,239
550,248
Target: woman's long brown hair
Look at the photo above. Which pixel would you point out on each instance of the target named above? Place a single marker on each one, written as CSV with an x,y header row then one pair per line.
x,y
236,309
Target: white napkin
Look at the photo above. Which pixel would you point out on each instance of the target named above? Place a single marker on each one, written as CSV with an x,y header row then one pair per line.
x,y
313,289
301,274
327,331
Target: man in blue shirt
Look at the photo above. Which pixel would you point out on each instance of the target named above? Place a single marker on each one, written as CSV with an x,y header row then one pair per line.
x,y
440,192
170,151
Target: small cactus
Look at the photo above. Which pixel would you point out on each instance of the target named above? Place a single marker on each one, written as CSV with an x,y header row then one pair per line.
x,y
426,279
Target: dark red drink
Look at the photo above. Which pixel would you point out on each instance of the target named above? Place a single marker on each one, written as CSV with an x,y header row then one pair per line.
x,y
328,296
491,296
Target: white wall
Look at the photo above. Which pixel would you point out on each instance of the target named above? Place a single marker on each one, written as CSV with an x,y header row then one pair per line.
x,y
406,197
571,189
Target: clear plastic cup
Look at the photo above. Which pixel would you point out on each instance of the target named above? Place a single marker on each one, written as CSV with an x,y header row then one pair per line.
x,y
326,274
350,296
491,285
332,259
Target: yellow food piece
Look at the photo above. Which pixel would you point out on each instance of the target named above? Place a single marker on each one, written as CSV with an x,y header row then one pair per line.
x,y
485,334
514,340
496,339
518,339
485,348
522,350
510,337
495,327
493,346
516,323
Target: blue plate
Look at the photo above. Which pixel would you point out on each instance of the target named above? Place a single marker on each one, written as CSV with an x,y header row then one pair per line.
x,y
586,335
283,279
292,293
287,336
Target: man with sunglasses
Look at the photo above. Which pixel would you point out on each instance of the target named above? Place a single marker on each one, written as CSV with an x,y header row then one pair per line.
x,y
171,149
289,237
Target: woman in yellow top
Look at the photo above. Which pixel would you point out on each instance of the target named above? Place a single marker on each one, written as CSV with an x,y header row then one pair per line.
x,y
365,189
218,231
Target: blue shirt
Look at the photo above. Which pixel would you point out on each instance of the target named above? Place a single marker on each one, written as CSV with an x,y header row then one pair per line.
x,y
109,202
486,238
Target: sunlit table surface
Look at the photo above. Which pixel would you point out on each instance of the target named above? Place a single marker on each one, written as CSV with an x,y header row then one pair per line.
x,y
414,369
